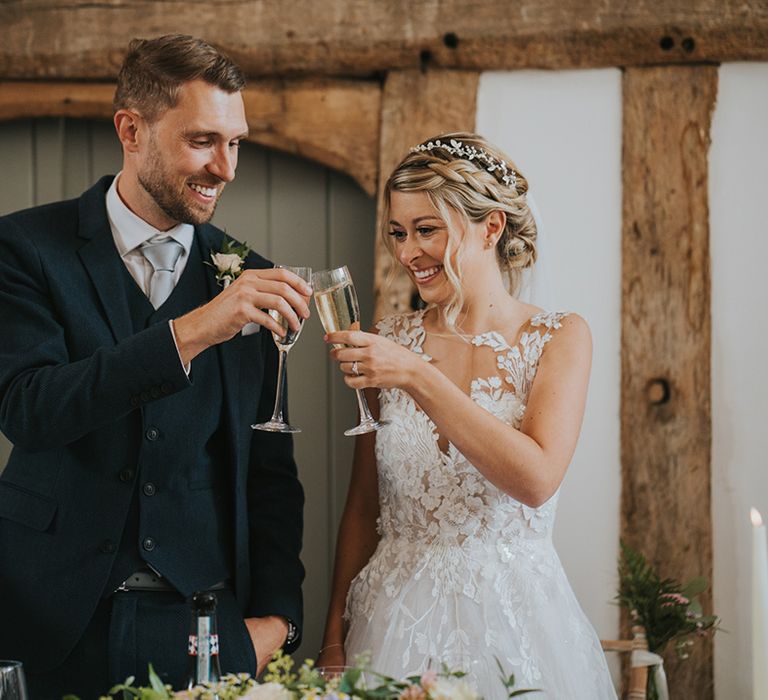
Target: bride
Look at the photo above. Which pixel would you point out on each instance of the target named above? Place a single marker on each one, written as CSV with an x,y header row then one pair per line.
x,y
445,554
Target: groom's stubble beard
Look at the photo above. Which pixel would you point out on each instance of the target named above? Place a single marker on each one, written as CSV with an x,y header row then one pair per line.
x,y
170,196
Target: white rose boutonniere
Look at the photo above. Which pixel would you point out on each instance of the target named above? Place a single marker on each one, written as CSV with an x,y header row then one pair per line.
x,y
228,262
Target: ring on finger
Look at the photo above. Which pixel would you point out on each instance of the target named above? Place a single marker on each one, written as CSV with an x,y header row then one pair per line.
x,y
355,369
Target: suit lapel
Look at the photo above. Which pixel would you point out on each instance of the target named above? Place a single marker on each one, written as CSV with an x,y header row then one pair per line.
x,y
102,261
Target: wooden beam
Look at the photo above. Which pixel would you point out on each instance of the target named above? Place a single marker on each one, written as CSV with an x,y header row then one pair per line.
x,y
415,106
76,39
333,122
666,430
25,100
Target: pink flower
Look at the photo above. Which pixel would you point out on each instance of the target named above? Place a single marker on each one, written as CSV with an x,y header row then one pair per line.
x,y
413,692
674,599
428,678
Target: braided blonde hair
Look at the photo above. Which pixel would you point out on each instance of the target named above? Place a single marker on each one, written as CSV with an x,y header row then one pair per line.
x,y
472,187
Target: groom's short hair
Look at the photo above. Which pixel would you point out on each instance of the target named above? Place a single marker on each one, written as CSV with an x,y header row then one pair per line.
x,y
154,69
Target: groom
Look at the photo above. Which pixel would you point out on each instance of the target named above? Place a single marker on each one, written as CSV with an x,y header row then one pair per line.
x,y
128,389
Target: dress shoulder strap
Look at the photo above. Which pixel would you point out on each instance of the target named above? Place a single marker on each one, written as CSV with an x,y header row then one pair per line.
x,y
551,320
542,326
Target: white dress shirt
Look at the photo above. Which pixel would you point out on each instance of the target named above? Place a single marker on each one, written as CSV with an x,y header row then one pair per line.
x,y
130,231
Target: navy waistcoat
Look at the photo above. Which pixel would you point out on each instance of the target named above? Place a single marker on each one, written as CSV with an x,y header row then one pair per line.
x,y
179,521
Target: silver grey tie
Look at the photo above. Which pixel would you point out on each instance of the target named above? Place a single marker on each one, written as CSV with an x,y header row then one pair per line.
x,y
163,253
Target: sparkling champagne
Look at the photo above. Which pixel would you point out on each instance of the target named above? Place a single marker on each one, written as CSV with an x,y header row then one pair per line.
x,y
337,307
291,336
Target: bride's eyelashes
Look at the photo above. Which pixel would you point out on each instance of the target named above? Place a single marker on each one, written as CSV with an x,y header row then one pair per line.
x,y
422,231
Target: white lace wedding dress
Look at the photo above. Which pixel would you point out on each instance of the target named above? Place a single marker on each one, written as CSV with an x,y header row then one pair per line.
x,y
464,574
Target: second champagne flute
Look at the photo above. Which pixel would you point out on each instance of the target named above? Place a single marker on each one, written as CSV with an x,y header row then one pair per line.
x,y
277,424
338,310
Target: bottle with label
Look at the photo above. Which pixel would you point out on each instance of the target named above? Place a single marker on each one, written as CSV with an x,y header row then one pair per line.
x,y
203,647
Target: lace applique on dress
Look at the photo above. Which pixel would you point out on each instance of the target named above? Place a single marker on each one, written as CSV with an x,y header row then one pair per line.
x,y
461,566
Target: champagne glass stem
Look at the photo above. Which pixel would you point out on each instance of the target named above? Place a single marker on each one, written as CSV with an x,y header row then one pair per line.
x,y
362,405
367,422
277,413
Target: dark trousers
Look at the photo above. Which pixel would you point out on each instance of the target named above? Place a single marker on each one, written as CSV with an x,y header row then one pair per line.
x,y
132,629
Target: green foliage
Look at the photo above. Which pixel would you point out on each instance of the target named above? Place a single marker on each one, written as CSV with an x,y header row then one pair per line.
x,y
307,683
666,609
509,683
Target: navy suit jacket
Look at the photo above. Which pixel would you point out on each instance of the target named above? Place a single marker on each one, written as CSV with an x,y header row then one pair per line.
x,y
73,374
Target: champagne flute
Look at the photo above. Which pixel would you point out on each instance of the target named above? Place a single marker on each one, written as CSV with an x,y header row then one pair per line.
x,y
277,424
337,307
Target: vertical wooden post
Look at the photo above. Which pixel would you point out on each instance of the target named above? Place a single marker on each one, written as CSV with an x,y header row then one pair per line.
x,y
415,105
666,336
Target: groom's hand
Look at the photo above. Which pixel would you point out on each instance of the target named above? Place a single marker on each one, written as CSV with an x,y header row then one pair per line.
x,y
247,300
268,634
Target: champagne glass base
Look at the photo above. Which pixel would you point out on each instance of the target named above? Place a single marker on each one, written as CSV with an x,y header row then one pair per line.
x,y
276,426
366,426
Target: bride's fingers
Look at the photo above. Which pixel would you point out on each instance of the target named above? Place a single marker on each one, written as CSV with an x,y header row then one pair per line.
x,y
353,368
346,354
353,338
357,381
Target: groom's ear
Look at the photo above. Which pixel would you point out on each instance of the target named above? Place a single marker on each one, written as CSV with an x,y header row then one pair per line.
x,y
127,125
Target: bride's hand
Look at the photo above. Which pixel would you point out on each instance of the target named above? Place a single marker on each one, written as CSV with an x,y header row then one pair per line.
x,y
369,360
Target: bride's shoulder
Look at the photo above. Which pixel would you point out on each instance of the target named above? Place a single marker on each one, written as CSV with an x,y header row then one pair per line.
x,y
565,330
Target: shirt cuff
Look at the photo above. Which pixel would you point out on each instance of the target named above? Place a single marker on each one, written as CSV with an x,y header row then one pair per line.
x,y
186,368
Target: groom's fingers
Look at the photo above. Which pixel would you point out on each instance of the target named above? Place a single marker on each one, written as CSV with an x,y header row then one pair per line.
x,y
255,294
283,275
281,283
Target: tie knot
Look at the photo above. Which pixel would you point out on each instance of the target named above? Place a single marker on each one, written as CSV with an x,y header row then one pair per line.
x,y
162,253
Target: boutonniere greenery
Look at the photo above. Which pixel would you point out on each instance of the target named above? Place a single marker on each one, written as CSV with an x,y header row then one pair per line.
x,y
228,262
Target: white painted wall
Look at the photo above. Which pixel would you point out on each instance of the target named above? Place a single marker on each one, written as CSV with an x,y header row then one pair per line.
x,y
738,178
563,130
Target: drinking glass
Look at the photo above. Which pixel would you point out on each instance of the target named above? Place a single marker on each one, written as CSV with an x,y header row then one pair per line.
x,y
330,672
337,307
12,683
277,424
336,674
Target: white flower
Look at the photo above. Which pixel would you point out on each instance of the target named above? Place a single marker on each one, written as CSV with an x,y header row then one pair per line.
x,y
449,689
268,691
227,263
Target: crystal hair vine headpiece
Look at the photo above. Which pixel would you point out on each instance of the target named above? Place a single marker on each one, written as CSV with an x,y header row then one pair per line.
x,y
495,166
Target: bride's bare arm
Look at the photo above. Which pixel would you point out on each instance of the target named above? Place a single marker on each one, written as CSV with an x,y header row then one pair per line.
x,y
356,541
528,463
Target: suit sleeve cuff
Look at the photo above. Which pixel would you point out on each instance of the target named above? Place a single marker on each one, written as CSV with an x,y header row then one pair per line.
x,y
186,367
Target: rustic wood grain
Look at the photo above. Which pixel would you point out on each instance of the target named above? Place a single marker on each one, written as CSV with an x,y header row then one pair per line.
x,y
333,122
73,39
666,427
415,105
